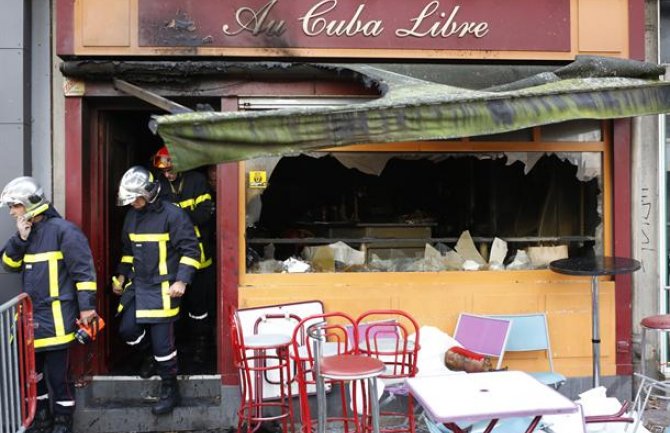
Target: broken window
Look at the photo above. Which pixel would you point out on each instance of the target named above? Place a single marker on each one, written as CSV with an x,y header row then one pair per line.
x,y
402,212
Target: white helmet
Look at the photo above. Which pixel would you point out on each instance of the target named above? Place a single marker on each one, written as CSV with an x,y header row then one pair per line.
x,y
26,191
137,182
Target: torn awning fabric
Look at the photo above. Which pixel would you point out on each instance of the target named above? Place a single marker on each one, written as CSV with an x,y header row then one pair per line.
x,y
410,109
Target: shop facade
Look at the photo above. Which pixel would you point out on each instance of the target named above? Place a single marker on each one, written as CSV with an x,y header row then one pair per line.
x,y
400,211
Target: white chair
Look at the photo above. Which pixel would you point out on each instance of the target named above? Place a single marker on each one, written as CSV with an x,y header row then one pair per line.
x,y
530,333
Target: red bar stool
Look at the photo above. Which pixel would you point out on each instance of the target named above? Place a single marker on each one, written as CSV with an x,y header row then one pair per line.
x,y
385,335
659,322
257,357
331,358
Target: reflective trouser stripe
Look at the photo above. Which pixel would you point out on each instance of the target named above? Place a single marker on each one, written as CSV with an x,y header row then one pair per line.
x,y
201,317
66,403
138,340
166,357
43,397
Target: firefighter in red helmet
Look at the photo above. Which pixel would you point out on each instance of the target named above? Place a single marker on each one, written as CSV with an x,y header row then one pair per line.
x,y
190,191
56,265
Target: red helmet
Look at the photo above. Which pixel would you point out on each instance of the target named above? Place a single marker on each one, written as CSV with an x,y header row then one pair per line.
x,y
162,159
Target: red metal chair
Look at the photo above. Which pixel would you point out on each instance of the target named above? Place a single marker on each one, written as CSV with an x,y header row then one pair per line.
x,y
384,334
330,358
256,357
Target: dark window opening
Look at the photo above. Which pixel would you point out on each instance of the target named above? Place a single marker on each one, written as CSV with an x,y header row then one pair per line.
x,y
421,200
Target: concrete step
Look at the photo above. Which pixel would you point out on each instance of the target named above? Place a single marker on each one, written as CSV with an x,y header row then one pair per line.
x,y
109,404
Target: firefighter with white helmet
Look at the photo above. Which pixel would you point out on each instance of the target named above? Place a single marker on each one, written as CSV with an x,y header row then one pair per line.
x,y
46,245
160,254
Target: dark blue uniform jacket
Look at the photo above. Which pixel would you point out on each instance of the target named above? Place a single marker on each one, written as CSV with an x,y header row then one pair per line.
x,y
58,275
190,191
158,248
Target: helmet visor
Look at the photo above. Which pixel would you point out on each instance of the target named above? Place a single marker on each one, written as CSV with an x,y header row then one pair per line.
x,y
163,162
125,197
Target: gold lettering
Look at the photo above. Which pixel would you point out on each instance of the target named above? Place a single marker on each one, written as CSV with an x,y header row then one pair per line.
x,y
255,22
422,26
314,23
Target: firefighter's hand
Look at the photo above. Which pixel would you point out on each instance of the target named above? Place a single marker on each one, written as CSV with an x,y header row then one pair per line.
x,y
177,289
85,317
117,284
24,225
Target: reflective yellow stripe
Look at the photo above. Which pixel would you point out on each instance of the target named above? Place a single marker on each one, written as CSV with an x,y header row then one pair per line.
x,y
127,259
202,252
157,313
149,237
187,203
87,285
192,203
190,262
165,295
119,308
206,264
11,263
197,231
53,341
166,311
202,198
162,258
54,292
43,257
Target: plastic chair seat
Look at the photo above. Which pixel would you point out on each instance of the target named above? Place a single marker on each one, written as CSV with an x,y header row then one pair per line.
x,y
351,367
661,321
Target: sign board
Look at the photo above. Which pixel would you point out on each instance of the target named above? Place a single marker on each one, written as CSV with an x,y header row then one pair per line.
x,y
515,25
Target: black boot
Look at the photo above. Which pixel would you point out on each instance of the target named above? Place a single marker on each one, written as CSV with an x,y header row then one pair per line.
x,y
148,367
169,397
42,422
62,424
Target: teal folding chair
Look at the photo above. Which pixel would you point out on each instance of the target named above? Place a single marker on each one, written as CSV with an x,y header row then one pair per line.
x,y
530,332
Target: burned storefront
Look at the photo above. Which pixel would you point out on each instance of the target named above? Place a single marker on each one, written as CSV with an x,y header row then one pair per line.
x,y
408,212
401,165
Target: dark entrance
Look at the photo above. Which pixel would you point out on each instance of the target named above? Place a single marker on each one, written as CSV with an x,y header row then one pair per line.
x,y
119,138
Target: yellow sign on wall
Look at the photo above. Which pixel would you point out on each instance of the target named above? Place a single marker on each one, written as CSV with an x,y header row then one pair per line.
x,y
258,179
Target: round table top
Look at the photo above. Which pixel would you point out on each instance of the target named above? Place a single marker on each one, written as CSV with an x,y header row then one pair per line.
x,y
593,266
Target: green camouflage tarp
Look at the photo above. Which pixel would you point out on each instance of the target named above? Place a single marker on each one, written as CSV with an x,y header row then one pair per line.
x,y
410,109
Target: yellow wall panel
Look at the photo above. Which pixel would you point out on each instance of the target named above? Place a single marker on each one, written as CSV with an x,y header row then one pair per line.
x,y
602,26
105,23
436,299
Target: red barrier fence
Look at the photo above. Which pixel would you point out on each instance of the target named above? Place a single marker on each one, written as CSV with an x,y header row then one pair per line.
x,y
18,384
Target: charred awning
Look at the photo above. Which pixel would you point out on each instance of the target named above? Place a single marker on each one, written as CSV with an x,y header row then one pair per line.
x,y
410,109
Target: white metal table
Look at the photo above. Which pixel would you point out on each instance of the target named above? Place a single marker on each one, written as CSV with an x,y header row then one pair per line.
x,y
457,397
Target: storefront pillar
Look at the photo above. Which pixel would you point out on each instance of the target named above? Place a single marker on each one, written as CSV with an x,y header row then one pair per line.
x,y
621,203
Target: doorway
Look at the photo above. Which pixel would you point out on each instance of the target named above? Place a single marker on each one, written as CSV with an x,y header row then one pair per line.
x,y
119,138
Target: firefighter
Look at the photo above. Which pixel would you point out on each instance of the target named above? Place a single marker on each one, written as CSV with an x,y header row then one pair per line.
x,y
58,274
160,253
190,191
